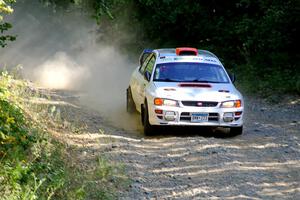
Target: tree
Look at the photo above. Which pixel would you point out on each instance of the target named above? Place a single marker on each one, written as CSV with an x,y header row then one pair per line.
x,y
97,8
5,8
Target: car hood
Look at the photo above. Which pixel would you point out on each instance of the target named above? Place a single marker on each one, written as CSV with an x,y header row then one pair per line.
x,y
196,91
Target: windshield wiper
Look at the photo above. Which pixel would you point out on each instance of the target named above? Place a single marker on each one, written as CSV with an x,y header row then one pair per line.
x,y
166,80
177,80
203,81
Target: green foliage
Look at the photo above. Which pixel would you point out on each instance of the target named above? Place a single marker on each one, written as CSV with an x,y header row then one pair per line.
x,y
259,36
5,8
29,164
270,86
13,127
98,9
4,38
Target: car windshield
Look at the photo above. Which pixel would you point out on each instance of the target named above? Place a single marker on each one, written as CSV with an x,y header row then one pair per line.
x,y
190,72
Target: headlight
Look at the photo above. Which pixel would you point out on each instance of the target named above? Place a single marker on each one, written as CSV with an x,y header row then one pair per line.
x,y
165,102
232,104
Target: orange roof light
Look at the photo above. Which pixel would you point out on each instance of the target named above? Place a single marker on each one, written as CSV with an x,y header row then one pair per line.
x,y
186,51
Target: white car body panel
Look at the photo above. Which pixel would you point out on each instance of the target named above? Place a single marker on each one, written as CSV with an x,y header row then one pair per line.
x,y
196,94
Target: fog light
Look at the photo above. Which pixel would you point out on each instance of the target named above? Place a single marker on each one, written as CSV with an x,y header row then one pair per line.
x,y
228,117
157,111
170,115
238,113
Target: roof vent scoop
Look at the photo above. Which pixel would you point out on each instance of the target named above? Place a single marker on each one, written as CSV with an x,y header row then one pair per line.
x,y
186,51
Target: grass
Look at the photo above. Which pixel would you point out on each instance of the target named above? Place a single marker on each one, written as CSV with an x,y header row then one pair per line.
x,y
105,175
271,85
34,165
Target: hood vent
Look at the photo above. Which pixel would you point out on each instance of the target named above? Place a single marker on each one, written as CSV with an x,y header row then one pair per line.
x,y
169,89
196,85
226,91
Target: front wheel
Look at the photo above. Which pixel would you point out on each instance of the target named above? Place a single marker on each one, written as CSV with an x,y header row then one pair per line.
x,y
148,128
234,131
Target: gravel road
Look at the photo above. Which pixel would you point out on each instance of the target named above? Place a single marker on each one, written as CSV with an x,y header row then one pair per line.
x,y
189,163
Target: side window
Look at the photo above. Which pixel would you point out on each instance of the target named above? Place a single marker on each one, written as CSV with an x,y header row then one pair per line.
x,y
143,67
144,57
150,65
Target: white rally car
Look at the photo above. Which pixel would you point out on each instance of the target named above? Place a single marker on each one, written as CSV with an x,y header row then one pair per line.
x,y
185,87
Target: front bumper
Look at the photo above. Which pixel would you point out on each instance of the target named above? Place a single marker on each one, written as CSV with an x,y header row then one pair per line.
x,y
183,116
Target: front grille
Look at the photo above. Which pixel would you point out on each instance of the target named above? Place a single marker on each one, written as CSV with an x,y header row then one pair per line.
x,y
200,103
186,117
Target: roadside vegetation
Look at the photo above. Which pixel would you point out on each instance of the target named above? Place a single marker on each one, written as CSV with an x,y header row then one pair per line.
x,y
35,165
255,39
5,9
30,164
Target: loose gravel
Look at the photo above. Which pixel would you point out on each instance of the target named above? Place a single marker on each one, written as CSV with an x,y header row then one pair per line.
x,y
189,163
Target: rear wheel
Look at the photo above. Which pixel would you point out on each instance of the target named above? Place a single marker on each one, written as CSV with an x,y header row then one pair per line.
x,y
148,128
234,131
130,105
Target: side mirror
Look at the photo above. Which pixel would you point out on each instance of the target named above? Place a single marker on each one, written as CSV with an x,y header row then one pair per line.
x,y
232,77
147,75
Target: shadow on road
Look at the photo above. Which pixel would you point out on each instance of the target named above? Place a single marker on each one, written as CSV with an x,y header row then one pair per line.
x,y
187,131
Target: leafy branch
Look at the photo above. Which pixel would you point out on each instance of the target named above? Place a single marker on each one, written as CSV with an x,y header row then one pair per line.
x,y
5,8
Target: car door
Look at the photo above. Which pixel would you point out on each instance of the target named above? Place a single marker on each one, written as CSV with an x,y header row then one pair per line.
x,y
147,67
136,80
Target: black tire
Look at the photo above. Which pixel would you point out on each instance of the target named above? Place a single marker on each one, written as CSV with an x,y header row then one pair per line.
x,y
130,105
148,128
234,131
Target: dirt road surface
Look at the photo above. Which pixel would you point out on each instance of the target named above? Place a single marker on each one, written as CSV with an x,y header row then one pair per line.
x,y
185,163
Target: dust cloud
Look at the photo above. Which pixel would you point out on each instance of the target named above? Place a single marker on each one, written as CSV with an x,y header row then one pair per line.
x,y
62,50
60,72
